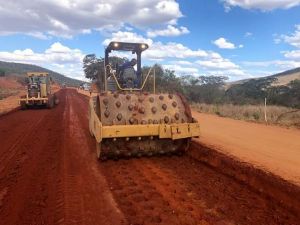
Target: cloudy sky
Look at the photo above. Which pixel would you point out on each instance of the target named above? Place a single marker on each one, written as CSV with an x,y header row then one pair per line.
x,y
235,38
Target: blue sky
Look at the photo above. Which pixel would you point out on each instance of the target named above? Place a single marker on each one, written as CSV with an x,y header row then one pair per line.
x,y
235,38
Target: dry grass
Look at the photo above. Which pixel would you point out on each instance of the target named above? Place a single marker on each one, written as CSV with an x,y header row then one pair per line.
x,y
284,80
275,114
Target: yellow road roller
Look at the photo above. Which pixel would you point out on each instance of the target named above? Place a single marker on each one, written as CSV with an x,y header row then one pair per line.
x,y
127,121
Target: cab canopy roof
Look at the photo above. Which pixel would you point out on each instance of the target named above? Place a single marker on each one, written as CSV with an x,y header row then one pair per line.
x,y
126,46
37,74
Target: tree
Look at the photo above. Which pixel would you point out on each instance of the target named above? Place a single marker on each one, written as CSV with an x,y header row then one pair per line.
x,y
2,72
92,66
250,92
204,89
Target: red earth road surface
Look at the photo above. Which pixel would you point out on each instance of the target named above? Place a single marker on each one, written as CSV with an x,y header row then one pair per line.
x,y
49,175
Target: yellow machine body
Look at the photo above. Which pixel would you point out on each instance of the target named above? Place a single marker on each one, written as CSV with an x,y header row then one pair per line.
x,y
127,121
38,91
137,124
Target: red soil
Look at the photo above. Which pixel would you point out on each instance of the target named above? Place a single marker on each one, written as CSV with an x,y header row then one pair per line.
x,y
49,175
271,148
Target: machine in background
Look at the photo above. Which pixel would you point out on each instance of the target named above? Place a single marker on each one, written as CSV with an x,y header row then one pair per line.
x,y
38,91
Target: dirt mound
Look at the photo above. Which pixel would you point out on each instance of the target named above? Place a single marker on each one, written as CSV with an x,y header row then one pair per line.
x,y
10,83
270,148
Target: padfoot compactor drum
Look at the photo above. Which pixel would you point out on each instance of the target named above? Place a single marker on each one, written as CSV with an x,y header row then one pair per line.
x,y
128,122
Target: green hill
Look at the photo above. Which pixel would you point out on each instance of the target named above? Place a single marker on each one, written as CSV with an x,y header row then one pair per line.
x,y
280,89
20,69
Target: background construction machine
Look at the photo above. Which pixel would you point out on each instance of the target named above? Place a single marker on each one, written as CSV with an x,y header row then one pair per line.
x,y
38,91
126,121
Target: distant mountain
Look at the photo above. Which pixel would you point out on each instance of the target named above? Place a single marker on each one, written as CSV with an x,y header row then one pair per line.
x,y
20,69
283,78
280,89
286,77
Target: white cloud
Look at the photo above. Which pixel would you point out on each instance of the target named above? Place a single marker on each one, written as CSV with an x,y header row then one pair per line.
x,y
180,70
127,36
169,31
280,64
216,61
277,40
182,62
295,54
233,74
248,34
66,18
57,57
179,53
224,44
264,5
157,50
293,39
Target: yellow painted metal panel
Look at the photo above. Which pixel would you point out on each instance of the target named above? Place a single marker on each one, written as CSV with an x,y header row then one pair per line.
x,y
130,130
185,130
32,74
173,131
164,131
98,128
195,129
33,99
43,90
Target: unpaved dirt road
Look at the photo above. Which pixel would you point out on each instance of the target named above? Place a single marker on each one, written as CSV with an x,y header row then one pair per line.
x,y
271,148
49,175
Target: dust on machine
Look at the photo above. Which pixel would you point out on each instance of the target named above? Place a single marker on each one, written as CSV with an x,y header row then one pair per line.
x,y
126,121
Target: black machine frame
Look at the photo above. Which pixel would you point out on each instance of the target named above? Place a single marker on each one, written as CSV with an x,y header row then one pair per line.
x,y
135,48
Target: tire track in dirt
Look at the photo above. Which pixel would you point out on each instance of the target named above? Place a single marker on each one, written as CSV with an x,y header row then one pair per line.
x,y
87,197
58,182
183,191
20,140
11,139
54,178
31,181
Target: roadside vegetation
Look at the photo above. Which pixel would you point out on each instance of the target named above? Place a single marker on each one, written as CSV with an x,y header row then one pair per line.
x,y
208,94
277,115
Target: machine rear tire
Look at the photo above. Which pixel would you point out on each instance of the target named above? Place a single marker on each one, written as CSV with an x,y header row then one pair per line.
x,y
50,103
23,105
98,150
55,100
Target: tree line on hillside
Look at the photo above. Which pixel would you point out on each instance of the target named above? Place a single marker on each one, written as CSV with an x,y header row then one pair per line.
x,y
205,89
2,72
19,70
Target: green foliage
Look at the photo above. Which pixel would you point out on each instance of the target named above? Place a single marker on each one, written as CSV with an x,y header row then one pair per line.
x,y
251,92
285,95
204,89
207,89
93,68
2,72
